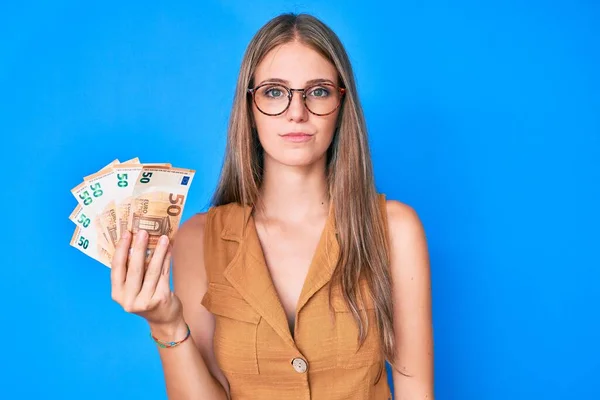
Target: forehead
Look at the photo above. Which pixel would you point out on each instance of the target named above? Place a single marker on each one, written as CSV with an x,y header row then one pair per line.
x,y
296,63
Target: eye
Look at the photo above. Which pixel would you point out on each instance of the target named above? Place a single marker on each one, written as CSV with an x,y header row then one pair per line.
x,y
274,92
319,92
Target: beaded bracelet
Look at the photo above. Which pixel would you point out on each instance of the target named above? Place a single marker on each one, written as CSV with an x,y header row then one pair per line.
x,y
165,345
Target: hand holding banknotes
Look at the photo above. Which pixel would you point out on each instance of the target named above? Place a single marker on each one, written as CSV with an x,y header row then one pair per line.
x,y
126,216
143,288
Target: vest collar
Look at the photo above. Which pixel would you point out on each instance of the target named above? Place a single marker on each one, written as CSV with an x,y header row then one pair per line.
x,y
249,275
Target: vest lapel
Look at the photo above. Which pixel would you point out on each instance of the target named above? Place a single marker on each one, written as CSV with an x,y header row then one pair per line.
x,y
248,273
323,263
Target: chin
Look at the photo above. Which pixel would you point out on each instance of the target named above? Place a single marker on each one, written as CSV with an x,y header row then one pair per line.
x,y
298,160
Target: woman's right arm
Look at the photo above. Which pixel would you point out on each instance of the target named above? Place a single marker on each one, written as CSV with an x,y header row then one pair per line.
x,y
190,368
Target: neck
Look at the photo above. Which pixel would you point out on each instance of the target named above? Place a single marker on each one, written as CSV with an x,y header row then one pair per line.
x,y
294,194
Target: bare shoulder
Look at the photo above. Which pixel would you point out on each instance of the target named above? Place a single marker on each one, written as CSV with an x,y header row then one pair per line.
x,y
188,240
406,231
191,229
409,264
408,241
403,219
188,257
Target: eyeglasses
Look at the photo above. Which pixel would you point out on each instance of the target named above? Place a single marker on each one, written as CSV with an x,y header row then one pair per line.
x,y
274,98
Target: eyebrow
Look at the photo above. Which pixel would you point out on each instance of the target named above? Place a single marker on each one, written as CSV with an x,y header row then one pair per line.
x,y
310,82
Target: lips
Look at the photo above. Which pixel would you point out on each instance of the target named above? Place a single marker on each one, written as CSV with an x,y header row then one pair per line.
x,y
296,134
296,137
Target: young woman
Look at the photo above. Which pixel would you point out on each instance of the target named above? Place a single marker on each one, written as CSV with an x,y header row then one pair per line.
x,y
301,280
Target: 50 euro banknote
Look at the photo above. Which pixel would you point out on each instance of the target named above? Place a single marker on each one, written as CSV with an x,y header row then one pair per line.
x,y
127,175
86,241
157,202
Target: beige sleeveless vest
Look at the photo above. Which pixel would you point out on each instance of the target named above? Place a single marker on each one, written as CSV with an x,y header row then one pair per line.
x,y
252,340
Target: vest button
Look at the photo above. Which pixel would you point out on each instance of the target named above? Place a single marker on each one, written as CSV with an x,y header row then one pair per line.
x,y
300,365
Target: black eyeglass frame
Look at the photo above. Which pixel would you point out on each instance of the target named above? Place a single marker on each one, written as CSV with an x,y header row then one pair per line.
x,y
290,93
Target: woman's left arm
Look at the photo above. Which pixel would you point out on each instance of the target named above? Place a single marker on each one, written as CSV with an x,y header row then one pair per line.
x,y
411,285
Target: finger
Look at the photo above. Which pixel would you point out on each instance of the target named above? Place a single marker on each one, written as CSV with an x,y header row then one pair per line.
x,y
163,285
154,268
136,265
119,262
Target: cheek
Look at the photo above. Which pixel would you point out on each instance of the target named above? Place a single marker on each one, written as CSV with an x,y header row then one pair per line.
x,y
267,130
327,126
264,123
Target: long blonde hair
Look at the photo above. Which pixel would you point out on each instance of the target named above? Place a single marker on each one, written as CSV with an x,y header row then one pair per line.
x,y
364,251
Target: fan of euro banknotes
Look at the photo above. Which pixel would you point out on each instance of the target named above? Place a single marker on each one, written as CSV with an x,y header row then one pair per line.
x,y
128,196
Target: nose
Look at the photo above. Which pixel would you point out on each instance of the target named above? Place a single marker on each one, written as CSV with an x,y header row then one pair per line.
x,y
297,111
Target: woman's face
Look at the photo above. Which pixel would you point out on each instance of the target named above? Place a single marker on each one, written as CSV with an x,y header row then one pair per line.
x,y
296,66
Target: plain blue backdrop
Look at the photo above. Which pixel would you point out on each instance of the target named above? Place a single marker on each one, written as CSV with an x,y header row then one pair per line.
x,y
483,116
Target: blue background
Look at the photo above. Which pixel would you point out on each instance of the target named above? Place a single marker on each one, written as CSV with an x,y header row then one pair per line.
x,y
484,118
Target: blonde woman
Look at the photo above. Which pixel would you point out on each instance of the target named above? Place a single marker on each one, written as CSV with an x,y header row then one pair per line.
x,y
301,280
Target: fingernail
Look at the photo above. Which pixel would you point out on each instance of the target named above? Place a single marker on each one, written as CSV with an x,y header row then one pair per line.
x,y
164,239
126,235
141,235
